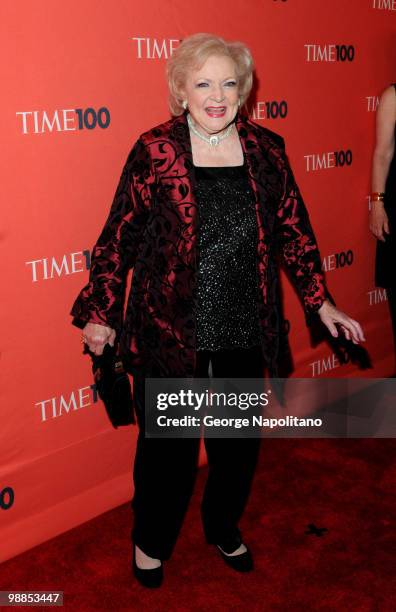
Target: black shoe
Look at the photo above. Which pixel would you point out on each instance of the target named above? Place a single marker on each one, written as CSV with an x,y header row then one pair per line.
x,y
151,578
240,563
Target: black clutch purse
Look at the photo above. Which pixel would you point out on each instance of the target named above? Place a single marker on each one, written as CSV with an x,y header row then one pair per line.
x,y
113,385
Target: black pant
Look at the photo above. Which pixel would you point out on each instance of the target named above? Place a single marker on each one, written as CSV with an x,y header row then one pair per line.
x,y
165,468
391,293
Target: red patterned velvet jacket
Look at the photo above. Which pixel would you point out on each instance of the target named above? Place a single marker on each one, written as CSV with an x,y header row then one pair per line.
x,y
152,227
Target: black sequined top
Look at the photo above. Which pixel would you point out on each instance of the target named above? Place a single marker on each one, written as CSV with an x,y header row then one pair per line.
x,y
227,273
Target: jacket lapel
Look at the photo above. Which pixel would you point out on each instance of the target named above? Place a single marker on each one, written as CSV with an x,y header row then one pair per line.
x,y
257,172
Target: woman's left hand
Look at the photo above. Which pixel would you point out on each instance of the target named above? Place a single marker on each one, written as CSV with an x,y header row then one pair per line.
x,y
330,316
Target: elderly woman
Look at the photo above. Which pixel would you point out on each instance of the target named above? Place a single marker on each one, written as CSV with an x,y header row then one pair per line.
x,y
382,217
204,204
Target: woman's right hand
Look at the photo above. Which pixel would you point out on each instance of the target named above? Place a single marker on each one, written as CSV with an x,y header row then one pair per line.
x,y
96,336
378,220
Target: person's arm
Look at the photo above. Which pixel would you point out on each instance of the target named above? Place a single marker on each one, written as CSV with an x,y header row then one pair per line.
x,y
301,257
101,301
296,242
382,157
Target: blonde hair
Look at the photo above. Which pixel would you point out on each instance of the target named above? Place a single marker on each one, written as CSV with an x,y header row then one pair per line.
x,y
193,53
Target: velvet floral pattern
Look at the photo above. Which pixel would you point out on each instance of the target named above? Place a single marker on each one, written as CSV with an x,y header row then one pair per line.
x,y
152,227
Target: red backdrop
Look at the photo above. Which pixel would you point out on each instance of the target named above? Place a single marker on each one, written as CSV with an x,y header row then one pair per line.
x,y
81,80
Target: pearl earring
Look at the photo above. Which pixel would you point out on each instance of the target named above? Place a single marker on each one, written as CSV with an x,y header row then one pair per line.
x,y
184,104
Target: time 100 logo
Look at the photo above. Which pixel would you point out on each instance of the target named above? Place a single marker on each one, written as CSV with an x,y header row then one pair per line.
x,y
6,498
89,118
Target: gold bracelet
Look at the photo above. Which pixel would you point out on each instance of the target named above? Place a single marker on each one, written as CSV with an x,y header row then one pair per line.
x,y
377,196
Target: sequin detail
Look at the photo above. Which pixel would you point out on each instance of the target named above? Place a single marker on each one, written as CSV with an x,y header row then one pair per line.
x,y
226,315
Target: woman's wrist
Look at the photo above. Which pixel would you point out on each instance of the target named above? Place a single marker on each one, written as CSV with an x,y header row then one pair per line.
x,y
325,305
377,196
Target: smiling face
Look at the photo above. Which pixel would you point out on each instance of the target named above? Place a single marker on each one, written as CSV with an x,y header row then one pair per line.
x,y
212,94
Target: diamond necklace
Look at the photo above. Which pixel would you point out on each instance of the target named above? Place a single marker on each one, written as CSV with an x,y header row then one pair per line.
x,y
214,141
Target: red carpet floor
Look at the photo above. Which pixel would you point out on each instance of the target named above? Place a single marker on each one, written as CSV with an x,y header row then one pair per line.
x,y
346,487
